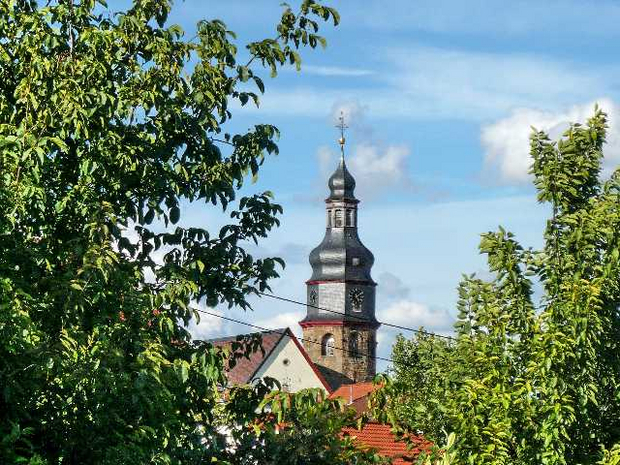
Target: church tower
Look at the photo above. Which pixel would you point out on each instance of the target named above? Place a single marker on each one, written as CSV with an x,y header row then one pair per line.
x,y
340,320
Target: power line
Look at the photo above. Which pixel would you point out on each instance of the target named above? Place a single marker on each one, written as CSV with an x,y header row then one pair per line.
x,y
358,317
262,328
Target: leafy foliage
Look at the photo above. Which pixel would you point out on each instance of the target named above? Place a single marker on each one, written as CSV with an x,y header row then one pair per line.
x,y
290,429
528,382
110,124
611,457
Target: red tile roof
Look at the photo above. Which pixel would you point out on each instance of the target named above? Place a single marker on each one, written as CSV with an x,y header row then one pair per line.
x,y
376,435
380,437
352,392
359,405
246,367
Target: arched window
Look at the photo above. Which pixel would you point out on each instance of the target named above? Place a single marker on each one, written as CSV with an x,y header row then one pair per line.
x,y
338,219
354,345
327,345
329,218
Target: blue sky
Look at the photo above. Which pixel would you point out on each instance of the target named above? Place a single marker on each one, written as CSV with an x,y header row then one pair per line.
x,y
440,97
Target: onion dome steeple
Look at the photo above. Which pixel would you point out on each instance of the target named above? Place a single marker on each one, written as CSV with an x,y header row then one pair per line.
x,y
341,257
341,183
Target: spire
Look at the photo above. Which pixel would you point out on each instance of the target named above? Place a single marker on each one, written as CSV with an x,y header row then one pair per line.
x,y
341,183
342,126
341,255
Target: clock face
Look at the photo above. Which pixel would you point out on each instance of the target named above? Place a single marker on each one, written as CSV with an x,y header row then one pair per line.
x,y
356,296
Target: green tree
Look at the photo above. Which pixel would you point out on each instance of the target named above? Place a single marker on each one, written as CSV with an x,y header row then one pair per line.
x,y
110,123
531,381
280,428
417,377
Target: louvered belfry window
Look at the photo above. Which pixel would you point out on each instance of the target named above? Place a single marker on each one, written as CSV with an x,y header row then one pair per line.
x,y
338,219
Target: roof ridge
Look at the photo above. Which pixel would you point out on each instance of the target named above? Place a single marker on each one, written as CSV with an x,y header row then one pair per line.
x,y
234,337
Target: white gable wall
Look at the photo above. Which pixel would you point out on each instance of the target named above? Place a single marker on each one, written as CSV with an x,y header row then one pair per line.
x,y
287,364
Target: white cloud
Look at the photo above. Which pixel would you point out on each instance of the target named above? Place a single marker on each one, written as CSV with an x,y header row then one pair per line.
x,y
506,142
353,112
424,83
462,84
293,101
392,286
376,168
293,253
414,314
283,320
209,326
416,82
336,71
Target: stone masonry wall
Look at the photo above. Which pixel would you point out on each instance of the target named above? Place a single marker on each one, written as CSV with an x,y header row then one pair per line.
x,y
344,366
359,367
315,334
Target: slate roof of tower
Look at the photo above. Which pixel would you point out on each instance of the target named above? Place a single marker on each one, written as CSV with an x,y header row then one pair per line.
x,y
333,258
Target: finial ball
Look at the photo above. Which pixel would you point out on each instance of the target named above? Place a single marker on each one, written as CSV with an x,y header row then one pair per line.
x,y
341,141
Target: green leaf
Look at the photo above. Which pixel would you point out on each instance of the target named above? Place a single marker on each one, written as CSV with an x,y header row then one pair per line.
x,y
175,214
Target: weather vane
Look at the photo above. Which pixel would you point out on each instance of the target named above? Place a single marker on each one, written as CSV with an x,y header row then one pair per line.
x,y
342,126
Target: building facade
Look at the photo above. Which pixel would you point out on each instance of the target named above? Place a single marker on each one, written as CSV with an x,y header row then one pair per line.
x,y
281,358
340,327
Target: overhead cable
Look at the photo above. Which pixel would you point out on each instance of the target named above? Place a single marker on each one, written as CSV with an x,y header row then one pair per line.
x,y
262,328
356,317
